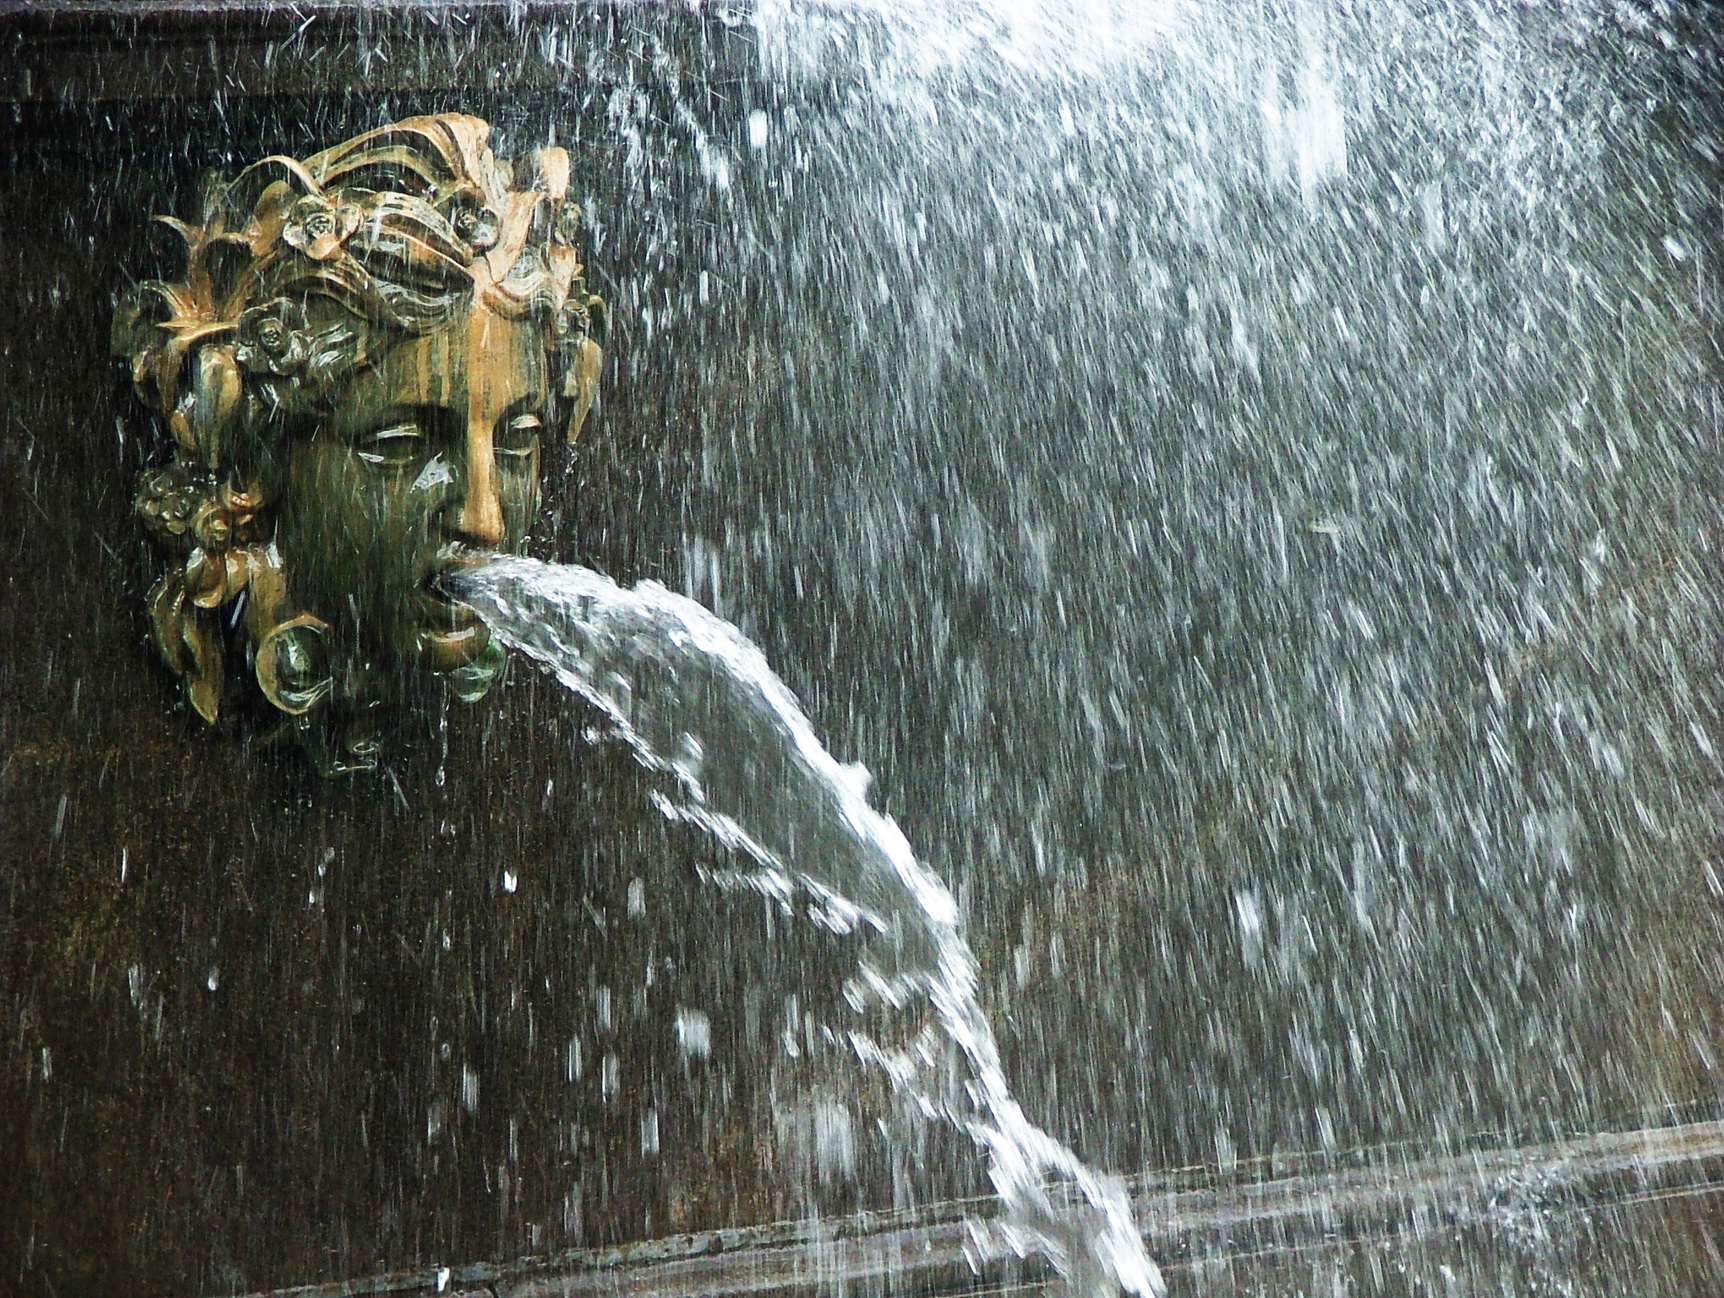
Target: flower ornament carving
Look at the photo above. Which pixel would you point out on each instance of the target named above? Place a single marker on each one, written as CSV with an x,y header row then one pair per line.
x,y
478,226
308,283
318,227
273,339
167,500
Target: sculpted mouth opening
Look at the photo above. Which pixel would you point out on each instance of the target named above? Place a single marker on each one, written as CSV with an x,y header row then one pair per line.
x,y
444,611
454,641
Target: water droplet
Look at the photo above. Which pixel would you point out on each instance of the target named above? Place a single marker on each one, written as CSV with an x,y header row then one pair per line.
x,y
469,1089
693,1034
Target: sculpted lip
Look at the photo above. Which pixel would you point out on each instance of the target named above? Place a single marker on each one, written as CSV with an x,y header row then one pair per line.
x,y
441,609
441,613
451,634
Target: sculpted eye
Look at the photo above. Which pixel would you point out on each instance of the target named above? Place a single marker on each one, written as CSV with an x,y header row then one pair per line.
x,y
394,447
519,437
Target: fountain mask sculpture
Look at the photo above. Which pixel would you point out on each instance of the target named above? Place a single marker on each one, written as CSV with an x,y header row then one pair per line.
x,y
356,373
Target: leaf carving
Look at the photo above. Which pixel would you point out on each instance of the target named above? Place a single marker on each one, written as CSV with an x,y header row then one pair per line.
x,y
167,602
581,384
202,637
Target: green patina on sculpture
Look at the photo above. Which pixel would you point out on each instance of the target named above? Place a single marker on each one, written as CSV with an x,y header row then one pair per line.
x,y
355,373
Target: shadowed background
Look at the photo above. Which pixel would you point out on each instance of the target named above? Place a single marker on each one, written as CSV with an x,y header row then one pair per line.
x,y
1245,488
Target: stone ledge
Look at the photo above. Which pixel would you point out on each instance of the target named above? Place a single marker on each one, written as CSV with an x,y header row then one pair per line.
x,y
85,51
1191,1218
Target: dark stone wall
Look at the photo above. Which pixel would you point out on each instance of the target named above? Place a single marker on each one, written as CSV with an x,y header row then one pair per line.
x,y
257,1028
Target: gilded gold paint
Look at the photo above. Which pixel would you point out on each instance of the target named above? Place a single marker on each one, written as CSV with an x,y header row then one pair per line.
x,y
352,409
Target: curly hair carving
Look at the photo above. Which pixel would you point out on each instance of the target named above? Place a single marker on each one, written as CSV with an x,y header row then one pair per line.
x,y
300,273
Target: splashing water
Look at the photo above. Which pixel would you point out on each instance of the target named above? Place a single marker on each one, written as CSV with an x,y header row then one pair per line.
x,y
697,701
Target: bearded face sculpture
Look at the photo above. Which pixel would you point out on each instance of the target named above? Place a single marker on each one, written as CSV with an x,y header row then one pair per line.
x,y
356,374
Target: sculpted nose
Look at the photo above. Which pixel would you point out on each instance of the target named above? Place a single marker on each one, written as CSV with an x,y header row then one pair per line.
x,y
479,520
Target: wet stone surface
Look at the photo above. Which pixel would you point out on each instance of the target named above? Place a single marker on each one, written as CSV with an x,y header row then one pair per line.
x,y
264,1028
1273,583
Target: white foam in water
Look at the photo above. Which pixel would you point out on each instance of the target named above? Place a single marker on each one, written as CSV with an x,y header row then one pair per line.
x,y
697,702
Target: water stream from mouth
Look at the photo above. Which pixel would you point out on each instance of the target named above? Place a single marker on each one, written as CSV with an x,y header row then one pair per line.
x,y
698,703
